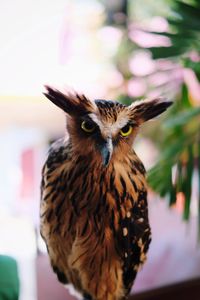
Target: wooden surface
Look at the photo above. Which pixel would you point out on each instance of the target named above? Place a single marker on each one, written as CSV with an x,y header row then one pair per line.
x,y
185,290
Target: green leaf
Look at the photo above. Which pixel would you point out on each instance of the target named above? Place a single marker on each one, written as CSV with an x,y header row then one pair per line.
x,y
187,188
182,118
172,195
185,97
184,35
159,178
125,99
172,152
195,66
189,12
165,52
179,177
183,25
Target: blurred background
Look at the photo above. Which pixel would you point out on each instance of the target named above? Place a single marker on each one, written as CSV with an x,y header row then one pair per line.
x,y
114,49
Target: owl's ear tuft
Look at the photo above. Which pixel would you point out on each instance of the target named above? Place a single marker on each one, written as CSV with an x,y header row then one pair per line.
x,y
144,110
71,103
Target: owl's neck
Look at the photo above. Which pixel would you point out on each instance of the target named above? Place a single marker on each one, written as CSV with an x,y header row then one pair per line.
x,y
94,162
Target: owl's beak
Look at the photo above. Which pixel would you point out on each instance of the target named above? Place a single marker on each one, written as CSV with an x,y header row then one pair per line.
x,y
106,151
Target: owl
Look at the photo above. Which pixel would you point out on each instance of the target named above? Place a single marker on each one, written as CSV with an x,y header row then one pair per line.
x,y
94,211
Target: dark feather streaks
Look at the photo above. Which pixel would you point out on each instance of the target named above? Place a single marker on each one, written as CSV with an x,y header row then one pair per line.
x,y
61,276
137,241
131,236
124,188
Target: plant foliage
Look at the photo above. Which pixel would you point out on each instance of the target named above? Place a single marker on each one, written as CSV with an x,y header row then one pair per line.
x,y
179,160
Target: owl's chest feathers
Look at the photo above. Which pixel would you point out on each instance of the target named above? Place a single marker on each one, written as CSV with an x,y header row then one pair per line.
x,y
93,188
81,190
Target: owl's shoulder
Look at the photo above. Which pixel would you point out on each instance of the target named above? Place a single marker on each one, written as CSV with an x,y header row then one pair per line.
x,y
59,151
56,165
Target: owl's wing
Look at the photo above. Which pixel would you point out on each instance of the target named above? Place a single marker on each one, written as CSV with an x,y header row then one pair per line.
x,y
134,238
54,211
55,171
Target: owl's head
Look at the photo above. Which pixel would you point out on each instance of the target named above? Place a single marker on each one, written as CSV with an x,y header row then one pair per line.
x,y
101,128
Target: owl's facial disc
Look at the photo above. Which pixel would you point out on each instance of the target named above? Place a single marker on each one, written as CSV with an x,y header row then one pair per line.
x,y
110,131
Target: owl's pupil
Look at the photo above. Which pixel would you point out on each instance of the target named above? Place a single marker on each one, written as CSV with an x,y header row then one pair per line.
x,y
89,125
126,128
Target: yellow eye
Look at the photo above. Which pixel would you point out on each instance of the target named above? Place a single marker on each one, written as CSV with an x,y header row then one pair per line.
x,y
126,130
88,126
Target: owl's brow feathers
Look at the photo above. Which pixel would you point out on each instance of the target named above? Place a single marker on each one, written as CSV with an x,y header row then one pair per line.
x,y
110,113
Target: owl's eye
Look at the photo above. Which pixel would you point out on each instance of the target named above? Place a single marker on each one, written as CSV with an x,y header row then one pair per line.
x,y
126,130
88,126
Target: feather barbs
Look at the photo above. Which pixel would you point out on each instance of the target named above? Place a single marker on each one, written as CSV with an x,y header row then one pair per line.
x,y
144,110
71,103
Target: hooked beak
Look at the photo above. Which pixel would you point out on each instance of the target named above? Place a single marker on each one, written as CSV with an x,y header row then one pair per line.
x,y
106,151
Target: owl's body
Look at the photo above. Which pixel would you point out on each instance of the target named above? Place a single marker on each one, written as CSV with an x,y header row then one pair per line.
x,y
94,214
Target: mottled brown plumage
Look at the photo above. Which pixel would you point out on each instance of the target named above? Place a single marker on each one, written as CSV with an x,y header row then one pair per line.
x,y
94,213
